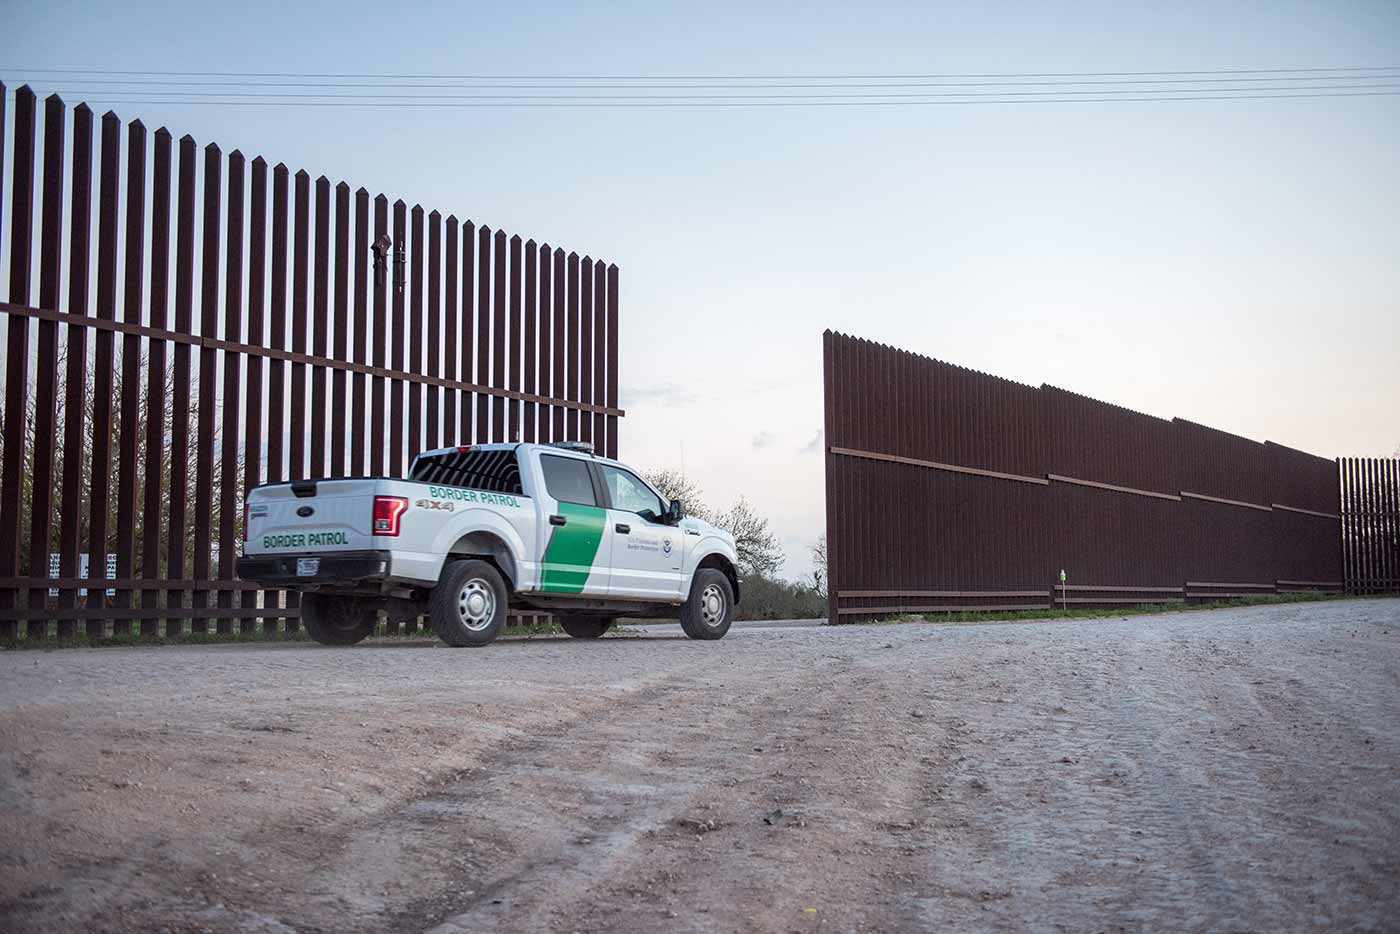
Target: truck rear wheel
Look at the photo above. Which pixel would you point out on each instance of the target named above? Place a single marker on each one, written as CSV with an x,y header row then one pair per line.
x,y
468,606
585,627
334,620
708,611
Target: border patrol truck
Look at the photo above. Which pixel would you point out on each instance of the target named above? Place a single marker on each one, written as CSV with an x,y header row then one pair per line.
x,y
478,530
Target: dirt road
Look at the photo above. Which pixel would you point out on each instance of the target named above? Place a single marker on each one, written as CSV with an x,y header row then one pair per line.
x,y
1230,770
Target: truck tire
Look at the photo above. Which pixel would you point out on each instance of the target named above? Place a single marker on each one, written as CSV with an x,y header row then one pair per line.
x,y
708,611
585,627
468,606
333,620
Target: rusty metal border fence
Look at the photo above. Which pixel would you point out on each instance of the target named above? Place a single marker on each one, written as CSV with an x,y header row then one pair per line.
x,y
1371,524
953,490
295,350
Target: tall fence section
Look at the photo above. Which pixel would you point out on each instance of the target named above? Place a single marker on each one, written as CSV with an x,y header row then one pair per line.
x,y
183,325
1371,524
949,489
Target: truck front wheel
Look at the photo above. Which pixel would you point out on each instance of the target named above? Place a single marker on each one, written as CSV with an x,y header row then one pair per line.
x,y
585,627
709,610
468,606
333,620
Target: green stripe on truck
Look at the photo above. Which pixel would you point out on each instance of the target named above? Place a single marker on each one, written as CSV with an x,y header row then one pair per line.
x,y
568,560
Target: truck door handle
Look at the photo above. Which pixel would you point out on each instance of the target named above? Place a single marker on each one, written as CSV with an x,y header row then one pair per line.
x,y
623,528
557,520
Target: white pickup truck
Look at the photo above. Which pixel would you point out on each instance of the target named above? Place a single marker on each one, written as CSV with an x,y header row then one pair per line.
x,y
477,531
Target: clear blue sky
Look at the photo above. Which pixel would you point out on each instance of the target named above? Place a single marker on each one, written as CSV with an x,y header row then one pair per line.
x,y
1236,263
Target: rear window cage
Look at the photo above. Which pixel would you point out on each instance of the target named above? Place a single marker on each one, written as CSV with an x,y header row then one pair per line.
x,y
494,471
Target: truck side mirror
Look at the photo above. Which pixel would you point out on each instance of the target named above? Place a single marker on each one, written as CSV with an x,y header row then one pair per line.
x,y
675,512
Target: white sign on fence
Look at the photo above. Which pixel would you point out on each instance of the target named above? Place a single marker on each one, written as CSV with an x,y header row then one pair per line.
x,y
83,565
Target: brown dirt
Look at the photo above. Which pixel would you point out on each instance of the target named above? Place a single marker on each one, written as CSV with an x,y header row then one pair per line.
x,y
1226,770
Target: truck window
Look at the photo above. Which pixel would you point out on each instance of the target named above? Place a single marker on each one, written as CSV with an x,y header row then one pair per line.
x,y
630,494
497,471
567,479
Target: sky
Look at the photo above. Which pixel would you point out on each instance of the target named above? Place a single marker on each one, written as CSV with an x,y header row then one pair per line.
x,y
1236,263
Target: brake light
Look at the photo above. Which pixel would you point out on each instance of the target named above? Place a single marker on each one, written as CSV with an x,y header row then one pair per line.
x,y
387,510
463,448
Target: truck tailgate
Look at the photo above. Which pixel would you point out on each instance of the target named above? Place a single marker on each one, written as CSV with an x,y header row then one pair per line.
x,y
311,515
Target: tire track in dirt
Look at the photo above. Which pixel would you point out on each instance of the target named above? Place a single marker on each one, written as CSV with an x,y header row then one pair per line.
x,y
181,869
707,818
631,815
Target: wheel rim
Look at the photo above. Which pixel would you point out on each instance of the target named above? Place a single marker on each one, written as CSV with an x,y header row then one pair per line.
x,y
476,605
351,621
712,605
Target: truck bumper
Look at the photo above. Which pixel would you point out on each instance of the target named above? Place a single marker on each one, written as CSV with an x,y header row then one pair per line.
x,y
343,567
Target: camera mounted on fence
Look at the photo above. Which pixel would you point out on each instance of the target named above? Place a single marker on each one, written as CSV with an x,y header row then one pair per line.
x,y
381,247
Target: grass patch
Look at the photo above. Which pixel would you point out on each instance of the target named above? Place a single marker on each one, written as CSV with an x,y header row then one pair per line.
x,y
1142,609
129,640
531,629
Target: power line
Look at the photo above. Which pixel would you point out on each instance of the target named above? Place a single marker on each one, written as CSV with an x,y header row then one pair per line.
x,y
872,90
712,77
153,86
661,104
312,97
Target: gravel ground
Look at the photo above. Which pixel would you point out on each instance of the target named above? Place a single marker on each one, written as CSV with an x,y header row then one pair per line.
x,y
1223,770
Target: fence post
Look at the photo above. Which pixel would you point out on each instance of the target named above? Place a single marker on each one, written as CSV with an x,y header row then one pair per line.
x,y
17,360
545,370
229,512
396,338
531,328
46,371
128,415
320,324
612,357
75,401
585,349
253,397
340,342
98,544
208,363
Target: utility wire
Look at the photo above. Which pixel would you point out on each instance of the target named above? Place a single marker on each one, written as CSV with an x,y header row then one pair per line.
x,y
115,87
421,103
706,86
312,97
660,77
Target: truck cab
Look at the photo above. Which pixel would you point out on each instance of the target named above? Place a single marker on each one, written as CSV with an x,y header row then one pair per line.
x,y
476,531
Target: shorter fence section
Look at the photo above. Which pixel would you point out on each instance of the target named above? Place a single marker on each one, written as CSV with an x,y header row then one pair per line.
x,y
1371,524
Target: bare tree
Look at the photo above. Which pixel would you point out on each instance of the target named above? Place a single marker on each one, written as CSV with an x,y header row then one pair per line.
x,y
818,550
760,552
144,524
675,485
